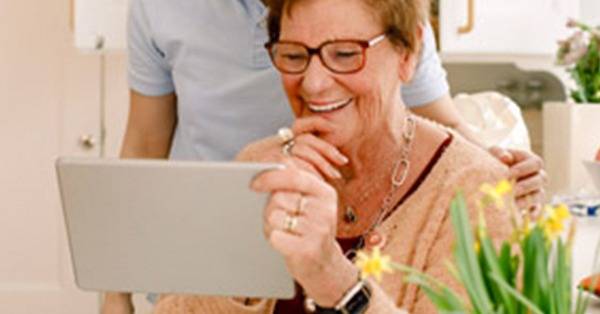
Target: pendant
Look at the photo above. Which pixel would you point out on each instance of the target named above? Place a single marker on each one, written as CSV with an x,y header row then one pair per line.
x,y
350,215
375,239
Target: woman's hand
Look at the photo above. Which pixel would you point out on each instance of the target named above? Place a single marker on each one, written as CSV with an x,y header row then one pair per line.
x,y
300,222
308,151
527,169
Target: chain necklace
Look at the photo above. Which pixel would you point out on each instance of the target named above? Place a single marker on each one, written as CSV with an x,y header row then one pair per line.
x,y
397,178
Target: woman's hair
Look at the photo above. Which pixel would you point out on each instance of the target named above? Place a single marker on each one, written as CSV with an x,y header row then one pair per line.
x,y
400,19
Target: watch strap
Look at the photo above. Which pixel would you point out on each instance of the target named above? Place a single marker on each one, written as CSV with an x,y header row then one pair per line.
x,y
355,301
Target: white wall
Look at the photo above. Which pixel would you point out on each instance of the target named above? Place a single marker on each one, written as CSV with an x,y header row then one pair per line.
x,y
590,11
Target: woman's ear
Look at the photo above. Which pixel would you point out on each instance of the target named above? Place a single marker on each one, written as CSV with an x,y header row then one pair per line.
x,y
408,61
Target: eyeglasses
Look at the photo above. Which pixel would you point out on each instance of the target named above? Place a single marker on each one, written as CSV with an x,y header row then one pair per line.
x,y
339,56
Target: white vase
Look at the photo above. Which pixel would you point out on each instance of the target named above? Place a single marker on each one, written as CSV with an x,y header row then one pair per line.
x,y
571,135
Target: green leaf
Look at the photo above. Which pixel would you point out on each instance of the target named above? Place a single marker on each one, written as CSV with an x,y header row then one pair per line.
x,y
516,294
562,280
492,263
466,261
442,297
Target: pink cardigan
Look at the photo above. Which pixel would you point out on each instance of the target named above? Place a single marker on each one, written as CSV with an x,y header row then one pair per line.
x,y
418,233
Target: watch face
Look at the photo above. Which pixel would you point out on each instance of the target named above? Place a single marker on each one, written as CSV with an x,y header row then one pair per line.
x,y
357,303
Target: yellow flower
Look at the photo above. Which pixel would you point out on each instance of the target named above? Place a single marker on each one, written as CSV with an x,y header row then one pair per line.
x,y
373,265
553,228
503,187
554,222
495,194
562,212
477,247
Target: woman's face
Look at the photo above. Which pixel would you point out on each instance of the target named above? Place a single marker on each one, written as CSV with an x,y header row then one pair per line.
x,y
357,104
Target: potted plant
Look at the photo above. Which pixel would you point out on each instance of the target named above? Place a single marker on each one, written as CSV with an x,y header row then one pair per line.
x,y
572,129
530,272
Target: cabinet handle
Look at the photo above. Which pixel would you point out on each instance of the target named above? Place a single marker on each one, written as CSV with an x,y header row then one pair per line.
x,y
465,29
87,141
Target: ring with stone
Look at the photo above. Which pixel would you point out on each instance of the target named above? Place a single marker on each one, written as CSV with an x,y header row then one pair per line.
x,y
290,223
285,135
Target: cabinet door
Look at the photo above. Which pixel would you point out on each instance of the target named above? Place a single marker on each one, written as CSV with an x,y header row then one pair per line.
x,y
505,26
49,99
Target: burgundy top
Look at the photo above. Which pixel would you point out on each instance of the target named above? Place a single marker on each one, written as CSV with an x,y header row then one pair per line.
x,y
296,305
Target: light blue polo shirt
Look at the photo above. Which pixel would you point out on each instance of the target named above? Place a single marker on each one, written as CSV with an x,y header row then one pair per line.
x,y
211,54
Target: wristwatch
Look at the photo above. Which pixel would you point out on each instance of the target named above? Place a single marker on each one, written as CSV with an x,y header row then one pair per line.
x,y
355,301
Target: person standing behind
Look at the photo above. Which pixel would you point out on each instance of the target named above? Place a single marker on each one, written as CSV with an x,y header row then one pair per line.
x,y
202,87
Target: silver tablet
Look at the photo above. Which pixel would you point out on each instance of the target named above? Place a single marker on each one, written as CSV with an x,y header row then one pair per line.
x,y
169,227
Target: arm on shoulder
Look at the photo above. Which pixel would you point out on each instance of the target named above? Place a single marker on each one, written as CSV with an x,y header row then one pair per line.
x,y
443,111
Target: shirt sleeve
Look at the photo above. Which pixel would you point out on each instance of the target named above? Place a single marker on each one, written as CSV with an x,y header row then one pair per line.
x,y
429,82
148,71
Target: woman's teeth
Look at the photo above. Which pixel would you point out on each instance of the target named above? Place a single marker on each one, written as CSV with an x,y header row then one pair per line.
x,y
330,107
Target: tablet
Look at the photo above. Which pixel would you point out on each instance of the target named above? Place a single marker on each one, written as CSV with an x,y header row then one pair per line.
x,y
169,227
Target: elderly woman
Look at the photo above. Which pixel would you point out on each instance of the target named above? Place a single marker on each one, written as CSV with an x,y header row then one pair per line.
x,y
362,171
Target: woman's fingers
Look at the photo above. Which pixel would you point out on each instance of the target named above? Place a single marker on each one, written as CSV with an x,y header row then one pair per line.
x,y
313,125
532,184
324,148
525,164
502,154
293,179
282,220
526,169
315,158
323,156
531,203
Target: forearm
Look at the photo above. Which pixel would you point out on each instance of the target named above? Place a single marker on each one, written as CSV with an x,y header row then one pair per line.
x,y
443,111
150,126
463,129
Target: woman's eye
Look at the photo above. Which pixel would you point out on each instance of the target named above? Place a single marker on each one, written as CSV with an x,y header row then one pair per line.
x,y
346,54
294,57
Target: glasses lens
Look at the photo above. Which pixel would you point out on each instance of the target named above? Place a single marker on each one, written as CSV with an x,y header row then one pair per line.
x,y
289,57
343,56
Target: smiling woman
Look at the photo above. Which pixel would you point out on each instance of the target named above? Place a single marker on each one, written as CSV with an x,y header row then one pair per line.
x,y
362,171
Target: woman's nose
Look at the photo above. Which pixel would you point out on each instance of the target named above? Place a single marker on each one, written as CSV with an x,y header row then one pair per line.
x,y
317,77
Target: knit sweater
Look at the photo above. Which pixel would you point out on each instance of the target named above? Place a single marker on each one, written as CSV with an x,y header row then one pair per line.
x,y
418,233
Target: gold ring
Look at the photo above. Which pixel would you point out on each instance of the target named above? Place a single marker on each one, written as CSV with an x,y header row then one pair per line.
x,y
285,135
290,223
286,149
300,207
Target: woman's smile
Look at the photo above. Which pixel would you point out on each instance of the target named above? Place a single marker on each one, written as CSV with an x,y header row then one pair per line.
x,y
327,106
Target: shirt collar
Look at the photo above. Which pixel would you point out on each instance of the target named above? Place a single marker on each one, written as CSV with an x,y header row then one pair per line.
x,y
256,8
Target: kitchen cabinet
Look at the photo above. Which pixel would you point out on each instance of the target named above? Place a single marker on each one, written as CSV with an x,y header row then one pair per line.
x,y
51,105
529,27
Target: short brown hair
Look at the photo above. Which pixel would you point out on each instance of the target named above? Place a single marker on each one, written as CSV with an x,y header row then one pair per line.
x,y
400,19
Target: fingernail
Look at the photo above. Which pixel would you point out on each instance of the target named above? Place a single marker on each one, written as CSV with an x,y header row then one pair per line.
x,y
334,173
343,159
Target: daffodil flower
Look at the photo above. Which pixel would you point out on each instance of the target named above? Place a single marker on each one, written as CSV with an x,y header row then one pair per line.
x,y
495,194
373,265
553,224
